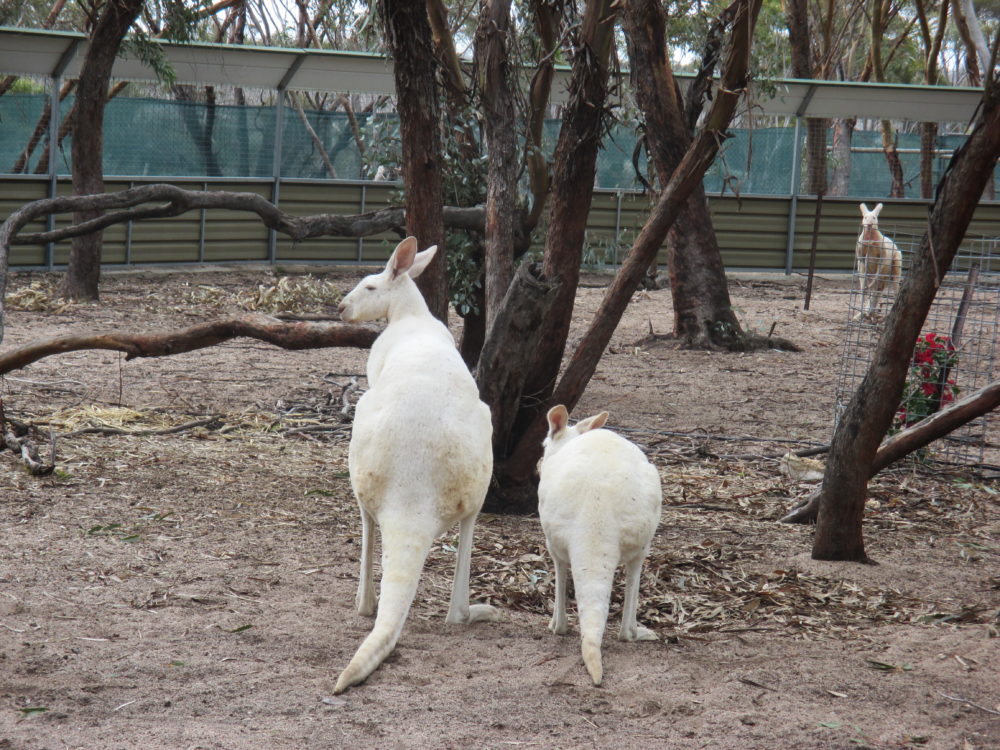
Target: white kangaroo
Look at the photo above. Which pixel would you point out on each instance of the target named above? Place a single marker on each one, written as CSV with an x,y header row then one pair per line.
x,y
599,502
879,261
420,456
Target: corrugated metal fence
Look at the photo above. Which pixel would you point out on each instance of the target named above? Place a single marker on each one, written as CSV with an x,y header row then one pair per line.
x,y
755,232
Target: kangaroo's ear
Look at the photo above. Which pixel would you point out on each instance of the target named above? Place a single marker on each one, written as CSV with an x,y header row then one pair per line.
x,y
402,257
422,260
558,419
864,209
592,423
877,209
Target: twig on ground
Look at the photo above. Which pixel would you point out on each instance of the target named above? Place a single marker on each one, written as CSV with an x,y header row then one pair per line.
x,y
957,699
212,422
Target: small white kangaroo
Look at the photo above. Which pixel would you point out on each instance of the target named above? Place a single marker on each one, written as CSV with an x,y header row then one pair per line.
x,y
599,502
420,456
879,261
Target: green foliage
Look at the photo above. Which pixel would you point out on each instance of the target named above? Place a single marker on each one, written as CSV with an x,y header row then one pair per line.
x,y
27,86
465,273
465,171
150,53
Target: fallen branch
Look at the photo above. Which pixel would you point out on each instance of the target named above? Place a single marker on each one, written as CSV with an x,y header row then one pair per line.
x,y
299,335
913,438
213,422
14,436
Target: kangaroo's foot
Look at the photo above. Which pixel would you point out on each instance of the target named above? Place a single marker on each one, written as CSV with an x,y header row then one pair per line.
x,y
476,613
638,634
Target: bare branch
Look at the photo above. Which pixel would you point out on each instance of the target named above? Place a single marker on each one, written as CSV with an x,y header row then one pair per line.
x,y
298,335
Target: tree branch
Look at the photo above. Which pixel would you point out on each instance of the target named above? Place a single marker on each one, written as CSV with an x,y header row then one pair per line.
x,y
914,438
178,201
298,335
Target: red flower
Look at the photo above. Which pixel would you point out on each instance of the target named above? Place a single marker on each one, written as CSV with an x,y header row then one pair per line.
x,y
928,388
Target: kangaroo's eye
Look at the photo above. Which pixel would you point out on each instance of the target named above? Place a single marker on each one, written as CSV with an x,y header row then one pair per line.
x,y
370,287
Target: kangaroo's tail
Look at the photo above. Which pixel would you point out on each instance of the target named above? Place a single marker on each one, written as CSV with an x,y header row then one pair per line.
x,y
403,553
593,576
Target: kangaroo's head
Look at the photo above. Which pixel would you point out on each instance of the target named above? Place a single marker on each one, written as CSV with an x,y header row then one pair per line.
x,y
869,219
377,293
560,433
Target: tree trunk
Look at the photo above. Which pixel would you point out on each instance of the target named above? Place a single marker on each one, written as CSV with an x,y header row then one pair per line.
x,y
201,133
870,411
547,16
816,130
928,142
703,313
84,271
932,49
408,35
898,187
575,166
797,16
843,137
493,63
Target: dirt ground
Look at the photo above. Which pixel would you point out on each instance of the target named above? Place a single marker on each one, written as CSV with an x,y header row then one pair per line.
x,y
196,589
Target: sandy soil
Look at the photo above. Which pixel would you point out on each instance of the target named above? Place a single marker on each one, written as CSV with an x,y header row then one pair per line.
x,y
195,590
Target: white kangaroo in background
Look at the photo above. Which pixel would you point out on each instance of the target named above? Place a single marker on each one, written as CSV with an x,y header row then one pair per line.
x,y
879,261
599,502
421,453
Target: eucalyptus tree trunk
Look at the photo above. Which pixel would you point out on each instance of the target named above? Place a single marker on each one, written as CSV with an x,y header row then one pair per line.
x,y
494,61
870,411
932,49
84,271
574,169
703,312
408,34
797,16
843,136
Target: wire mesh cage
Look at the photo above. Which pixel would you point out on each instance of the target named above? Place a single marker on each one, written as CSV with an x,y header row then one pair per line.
x,y
955,353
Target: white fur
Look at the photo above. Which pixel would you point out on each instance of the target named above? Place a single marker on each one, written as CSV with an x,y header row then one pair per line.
x,y
599,502
420,457
879,261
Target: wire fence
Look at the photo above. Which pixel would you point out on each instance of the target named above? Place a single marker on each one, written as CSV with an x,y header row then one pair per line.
x,y
163,135
955,353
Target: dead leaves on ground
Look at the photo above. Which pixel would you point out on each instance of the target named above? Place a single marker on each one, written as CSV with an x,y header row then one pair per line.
x,y
707,572
288,294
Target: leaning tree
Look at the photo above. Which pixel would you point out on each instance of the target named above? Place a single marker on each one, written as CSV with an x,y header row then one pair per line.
x,y
870,411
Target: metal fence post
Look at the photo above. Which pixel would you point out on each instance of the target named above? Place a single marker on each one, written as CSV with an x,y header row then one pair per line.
x,y
361,240
279,133
618,225
279,136
201,228
128,235
793,198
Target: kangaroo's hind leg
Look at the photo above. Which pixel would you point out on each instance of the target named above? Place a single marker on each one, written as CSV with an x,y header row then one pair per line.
x,y
631,630
558,622
366,590
460,612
